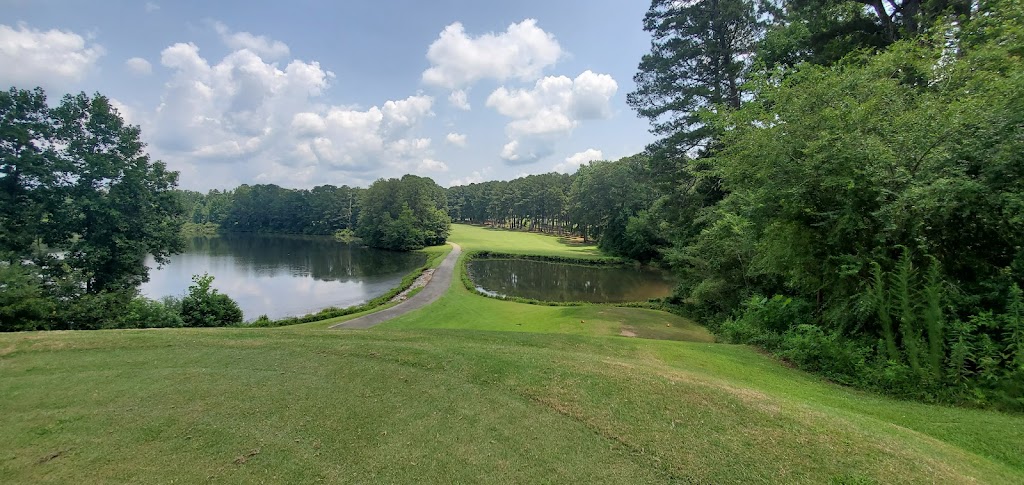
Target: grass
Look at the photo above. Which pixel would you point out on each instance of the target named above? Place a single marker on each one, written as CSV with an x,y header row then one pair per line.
x,y
468,390
518,242
291,405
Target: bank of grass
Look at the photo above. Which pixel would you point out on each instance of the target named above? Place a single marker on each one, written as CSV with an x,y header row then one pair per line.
x,y
444,406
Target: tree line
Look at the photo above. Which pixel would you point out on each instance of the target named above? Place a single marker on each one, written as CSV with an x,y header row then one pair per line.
x,y
398,214
603,201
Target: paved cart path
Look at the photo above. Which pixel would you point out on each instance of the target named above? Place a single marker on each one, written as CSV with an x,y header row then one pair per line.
x,y
438,284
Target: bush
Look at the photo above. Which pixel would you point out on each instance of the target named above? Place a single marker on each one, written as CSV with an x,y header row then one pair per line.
x,y
23,304
206,307
146,313
837,358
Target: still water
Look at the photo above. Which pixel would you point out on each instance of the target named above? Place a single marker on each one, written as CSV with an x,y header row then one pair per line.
x,y
539,280
283,275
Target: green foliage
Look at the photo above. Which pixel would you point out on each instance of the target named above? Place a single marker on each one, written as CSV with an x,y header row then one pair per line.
x,y
404,214
696,62
146,313
204,306
23,301
346,236
81,206
192,229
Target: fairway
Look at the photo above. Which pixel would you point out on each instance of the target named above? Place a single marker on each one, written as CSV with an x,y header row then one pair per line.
x,y
467,390
517,242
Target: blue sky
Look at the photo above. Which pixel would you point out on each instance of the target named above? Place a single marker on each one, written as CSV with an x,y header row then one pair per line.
x,y
304,93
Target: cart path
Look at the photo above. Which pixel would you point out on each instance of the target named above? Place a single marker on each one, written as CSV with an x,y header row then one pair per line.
x,y
437,286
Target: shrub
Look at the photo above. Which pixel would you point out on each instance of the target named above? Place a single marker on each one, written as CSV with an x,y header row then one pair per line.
x,y
811,348
23,304
145,313
206,307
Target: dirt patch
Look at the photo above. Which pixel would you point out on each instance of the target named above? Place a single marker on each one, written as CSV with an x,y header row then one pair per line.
x,y
51,456
7,350
627,333
240,459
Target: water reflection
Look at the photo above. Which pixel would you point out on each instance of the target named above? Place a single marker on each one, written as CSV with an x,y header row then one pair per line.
x,y
284,275
548,281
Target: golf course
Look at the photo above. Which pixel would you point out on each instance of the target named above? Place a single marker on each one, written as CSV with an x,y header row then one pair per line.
x,y
467,389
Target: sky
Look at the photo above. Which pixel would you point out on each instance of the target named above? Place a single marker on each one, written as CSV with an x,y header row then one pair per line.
x,y
306,93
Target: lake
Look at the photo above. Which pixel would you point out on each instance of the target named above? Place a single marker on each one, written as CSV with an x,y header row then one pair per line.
x,y
550,281
283,275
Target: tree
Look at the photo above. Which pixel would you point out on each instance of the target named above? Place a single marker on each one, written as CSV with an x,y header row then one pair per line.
x,y
76,180
204,306
403,214
701,56
26,169
825,31
699,59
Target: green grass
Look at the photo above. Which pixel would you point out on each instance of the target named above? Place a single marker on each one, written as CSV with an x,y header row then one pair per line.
x,y
517,242
459,406
468,390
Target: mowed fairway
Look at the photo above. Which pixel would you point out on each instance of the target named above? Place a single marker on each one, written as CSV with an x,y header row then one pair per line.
x,y
515,242
467,390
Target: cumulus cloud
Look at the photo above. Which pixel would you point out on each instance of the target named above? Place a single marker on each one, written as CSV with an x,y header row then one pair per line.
x,y
139,66
261,45
431,166
574,161
459,99
549,112
407,112
53,59
474,178
457,139
242,119
521,52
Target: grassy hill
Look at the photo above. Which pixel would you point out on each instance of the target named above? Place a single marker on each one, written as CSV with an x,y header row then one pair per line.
x,y
466,390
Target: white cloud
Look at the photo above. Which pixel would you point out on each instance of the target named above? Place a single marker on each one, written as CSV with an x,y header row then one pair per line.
x,y
139,66
127,114
549,112
429,165
53,59
521,52
407,112
474,178
459,99
457,139
243,119
151,7
574,161
263,46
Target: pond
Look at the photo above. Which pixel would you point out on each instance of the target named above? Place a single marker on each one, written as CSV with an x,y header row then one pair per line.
x,y
550,281
283,275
